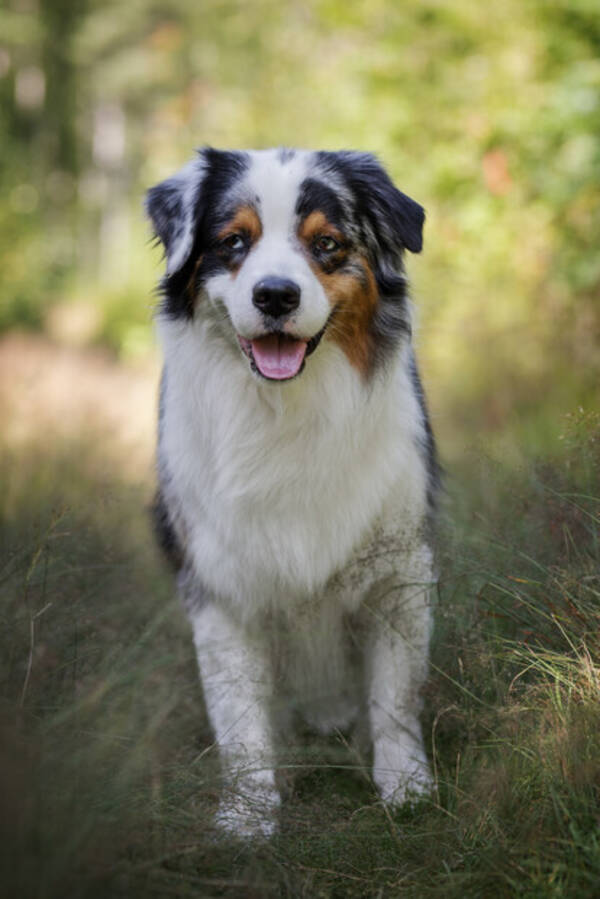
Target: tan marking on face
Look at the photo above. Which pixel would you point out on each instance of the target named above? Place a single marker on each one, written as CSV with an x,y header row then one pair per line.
x,y
354,301
316,225
353,295
245,221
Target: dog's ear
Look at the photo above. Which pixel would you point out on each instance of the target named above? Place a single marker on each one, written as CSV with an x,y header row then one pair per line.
x,y
396,219
173,209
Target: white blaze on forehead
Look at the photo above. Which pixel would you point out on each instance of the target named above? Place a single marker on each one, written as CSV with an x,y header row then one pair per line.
x,y
272,182
276,184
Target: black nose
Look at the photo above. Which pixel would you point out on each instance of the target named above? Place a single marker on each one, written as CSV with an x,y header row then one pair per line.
x,y
276,296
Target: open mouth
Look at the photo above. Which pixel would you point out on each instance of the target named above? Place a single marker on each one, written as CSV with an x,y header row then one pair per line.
x,y
278,356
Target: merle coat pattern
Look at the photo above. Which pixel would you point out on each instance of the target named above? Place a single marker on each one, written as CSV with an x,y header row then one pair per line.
x,y
297,467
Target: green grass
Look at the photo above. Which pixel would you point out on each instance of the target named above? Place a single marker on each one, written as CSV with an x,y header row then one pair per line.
x,y
109,777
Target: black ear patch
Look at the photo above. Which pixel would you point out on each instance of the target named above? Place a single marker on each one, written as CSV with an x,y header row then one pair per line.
x,y
164,206
171,206
181,207
396,219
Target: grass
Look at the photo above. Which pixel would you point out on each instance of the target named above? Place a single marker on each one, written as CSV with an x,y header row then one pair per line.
x,y
110,779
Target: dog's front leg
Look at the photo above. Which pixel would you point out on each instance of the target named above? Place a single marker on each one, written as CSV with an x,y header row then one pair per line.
x,y
397,667
237,682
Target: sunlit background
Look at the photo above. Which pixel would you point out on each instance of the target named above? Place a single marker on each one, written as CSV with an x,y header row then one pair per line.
x,y
487,114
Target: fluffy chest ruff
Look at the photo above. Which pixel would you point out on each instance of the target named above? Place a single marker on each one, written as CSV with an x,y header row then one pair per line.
x,y
296,464
273,494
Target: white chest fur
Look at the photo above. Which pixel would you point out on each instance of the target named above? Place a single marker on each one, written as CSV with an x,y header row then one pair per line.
x,y
279,484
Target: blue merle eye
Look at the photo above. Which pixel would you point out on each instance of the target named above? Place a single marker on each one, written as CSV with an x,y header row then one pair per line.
x,y
326,244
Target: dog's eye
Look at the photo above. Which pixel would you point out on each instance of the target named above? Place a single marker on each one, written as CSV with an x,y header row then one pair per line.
x,y
234,243
326,244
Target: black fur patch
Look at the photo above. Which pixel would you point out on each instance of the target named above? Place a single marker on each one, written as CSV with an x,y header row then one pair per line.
x,y
434,472
165,207
222,169
396,220
165,533
161,522
315,195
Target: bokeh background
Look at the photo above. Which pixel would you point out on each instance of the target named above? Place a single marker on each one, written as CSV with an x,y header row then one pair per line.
x,y
489,115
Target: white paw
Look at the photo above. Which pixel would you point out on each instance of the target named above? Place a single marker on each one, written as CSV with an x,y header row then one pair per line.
x,y
248,816
396,791
402,775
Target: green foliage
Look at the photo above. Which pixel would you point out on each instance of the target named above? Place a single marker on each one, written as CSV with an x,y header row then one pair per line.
x,y
488,115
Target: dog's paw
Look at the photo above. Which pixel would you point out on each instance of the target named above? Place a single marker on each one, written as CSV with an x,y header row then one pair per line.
x,y
401,773
249,817
409,787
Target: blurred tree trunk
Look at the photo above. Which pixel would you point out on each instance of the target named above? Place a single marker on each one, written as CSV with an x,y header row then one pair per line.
x,y
60,19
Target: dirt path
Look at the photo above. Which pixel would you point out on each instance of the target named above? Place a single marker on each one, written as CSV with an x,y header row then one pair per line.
x,y
52,393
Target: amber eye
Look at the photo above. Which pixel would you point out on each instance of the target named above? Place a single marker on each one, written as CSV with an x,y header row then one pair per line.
x,y
325,244
234,243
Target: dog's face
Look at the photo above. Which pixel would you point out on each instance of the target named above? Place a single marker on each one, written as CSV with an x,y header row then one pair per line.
x,y
296,246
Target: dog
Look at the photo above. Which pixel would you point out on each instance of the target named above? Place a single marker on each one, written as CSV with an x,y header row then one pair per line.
x,y
296,463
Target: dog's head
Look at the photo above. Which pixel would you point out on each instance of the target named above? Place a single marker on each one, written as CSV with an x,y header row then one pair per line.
x,y
296,246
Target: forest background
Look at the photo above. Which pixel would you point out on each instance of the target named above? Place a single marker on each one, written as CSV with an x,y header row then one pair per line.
x,y
489,116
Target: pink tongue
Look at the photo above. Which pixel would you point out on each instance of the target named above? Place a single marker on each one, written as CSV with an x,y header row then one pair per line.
x,y
277,356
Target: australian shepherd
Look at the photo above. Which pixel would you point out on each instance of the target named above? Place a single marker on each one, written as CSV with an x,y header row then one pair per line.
x,y
297,468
